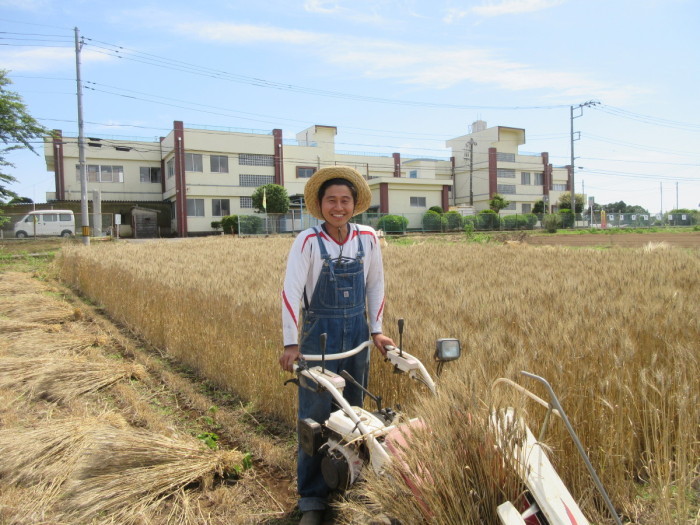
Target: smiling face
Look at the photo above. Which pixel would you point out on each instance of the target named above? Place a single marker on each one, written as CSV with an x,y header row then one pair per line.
x,y
337,205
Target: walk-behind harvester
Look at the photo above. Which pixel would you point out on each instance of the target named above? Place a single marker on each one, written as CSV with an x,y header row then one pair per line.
x,y
354,439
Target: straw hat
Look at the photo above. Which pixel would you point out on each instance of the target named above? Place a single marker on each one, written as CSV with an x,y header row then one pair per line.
x,y
364,195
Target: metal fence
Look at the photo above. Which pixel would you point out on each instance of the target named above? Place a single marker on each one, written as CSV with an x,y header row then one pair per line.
x,y
293,222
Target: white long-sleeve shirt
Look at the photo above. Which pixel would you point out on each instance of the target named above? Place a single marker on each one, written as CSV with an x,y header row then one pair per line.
x,y
304,267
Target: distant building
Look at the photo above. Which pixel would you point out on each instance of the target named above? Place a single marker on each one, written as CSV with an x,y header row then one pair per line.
x,y
208,173
496,166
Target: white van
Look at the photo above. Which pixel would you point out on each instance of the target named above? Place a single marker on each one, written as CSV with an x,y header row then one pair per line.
x,y
46,222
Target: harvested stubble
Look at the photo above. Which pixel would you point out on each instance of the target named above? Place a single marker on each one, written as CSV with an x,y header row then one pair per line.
x,y
12,283
127,473
616,332
62,379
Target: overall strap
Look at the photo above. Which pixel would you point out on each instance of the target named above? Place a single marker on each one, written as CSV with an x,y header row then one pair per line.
x,y
360,249
322,247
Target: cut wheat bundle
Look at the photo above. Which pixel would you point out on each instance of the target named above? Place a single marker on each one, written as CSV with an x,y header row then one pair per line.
x,y
35,308
127,473
61,379
9,326
50,452
39,341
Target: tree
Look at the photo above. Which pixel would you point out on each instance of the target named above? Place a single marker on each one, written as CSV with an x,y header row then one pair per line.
x,y
17,130
497,203
20,200
538,207
565,202
276,199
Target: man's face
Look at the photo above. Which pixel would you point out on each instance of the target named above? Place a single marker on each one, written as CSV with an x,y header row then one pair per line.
x,y
337,205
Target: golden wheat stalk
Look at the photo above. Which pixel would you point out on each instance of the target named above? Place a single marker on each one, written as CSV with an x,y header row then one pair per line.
x,y
35,342
62,379
130,472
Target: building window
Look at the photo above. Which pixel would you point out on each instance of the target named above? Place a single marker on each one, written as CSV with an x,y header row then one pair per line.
x,y
170,168
413,174
193,162
559,187
511,206
218,163
418,202
246,202
98,173
525,178
505,189
526,208
505,157
150,174
504,173
254,181
304,172
254,159
220,207
539,179
195,207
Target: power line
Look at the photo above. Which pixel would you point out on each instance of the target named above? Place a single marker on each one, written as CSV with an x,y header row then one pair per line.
x,y
647,119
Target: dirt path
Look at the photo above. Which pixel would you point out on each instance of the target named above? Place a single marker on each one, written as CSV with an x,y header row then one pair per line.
x,y
40,322
629,240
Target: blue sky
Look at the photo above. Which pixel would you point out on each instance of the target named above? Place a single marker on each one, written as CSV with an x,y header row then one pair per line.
x,y
393,76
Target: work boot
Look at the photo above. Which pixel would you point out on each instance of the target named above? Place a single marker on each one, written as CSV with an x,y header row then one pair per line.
x,y
312,517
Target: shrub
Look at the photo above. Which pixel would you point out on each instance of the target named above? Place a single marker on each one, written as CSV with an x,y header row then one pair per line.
x,y
453,221
230,224
393,224
437,209
216,225
567,218
488,220
551,222
520,222
250,224
432,221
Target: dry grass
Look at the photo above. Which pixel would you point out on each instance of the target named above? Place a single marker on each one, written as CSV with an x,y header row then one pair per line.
x,y
62,379
128,473
47,449
22,339
616,332
29,307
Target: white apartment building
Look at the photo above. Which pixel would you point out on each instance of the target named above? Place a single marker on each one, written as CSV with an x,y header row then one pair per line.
x,y
487,162
206,174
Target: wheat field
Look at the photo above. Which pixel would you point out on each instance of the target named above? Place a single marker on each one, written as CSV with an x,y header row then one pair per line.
x,y
616,332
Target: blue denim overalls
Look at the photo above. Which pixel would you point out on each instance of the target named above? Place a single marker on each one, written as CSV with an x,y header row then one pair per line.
x,y
338,309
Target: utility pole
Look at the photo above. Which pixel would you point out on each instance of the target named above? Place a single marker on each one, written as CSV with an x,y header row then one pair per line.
x,y
81,145
590,103
676,194
471,145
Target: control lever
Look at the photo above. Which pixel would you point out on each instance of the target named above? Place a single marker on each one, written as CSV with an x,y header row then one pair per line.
x,y
377,399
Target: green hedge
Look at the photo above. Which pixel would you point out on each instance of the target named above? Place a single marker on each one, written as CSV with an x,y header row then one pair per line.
x,y
393,224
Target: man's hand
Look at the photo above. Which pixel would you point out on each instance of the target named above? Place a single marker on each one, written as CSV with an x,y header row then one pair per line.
x,y
381,342
291,354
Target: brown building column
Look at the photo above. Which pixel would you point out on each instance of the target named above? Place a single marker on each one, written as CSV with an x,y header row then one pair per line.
x,y
493,173
180,181
58,168
279,157
445,197
397,164
383,197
